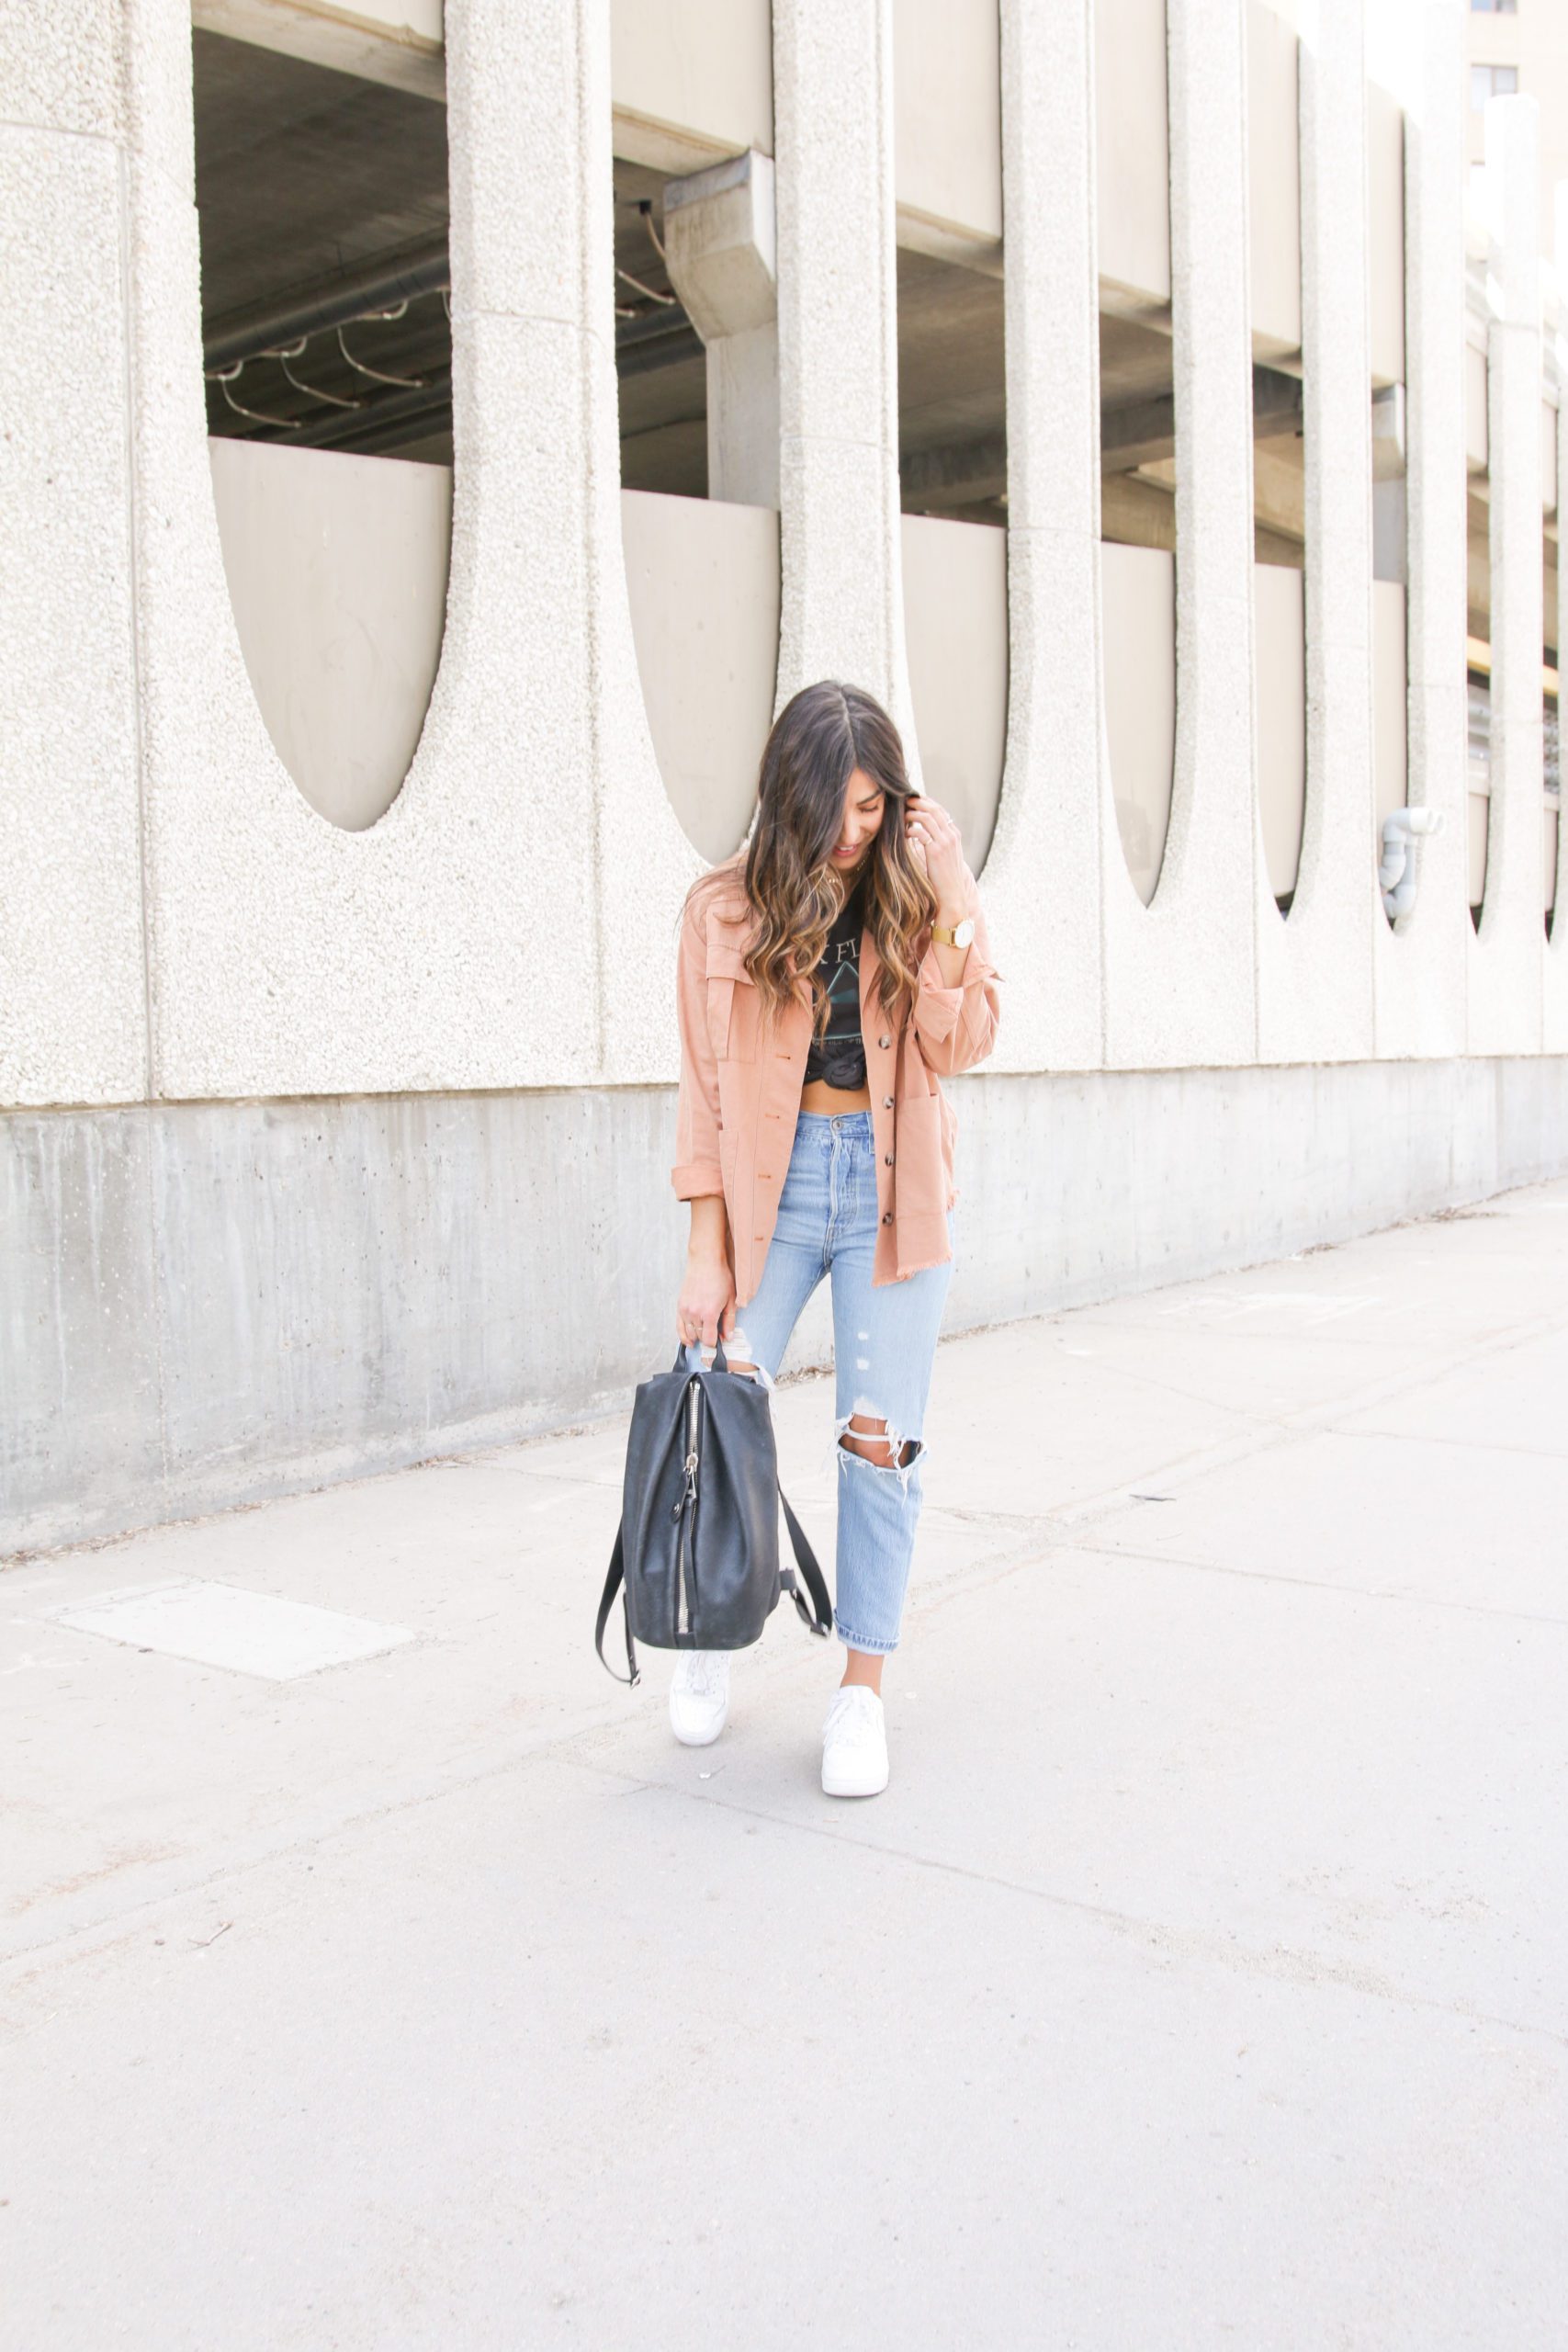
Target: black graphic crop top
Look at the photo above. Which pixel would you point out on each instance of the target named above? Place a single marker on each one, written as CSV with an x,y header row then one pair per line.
x,y
839,1055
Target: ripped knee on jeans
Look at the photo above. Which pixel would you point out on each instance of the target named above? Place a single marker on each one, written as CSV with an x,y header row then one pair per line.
x,y
869,1436
738,1357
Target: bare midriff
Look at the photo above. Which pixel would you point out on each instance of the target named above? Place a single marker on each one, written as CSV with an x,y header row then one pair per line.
x,y
817,1096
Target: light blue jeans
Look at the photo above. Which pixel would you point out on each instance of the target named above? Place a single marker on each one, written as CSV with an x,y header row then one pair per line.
x,y
884,1344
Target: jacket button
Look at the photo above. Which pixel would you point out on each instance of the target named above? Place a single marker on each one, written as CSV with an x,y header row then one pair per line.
x,y
887,1159
887,1101
885,1041
886,1216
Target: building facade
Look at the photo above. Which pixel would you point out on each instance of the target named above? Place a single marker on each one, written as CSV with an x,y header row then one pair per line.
x,y
435,449
1520,48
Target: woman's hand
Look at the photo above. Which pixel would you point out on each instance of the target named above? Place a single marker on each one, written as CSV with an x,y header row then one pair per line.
x,y
706,1304
936,846
705,1309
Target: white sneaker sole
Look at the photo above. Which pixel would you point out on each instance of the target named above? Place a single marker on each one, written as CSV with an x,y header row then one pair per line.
x,y
846,1783
698,1738
699,1732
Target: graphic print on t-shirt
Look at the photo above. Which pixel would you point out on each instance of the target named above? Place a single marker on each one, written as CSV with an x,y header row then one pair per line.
x,y
839,1055
843,987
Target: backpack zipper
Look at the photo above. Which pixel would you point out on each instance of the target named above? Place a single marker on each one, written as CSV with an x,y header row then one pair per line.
x,y
684,1508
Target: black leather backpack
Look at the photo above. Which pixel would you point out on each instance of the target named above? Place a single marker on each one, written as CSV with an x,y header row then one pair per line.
x,y
697,1550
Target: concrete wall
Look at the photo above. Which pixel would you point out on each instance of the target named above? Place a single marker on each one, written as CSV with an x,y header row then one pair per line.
x,y
1138,589
246,1300
947,151
337,575
72,971
1279,637
180,930
703,578
1274,189
690,80
336,568
1132,151
955,627
1385,234
1535,41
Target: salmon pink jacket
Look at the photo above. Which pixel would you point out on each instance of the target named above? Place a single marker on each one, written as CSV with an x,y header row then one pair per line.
x,y
741,1081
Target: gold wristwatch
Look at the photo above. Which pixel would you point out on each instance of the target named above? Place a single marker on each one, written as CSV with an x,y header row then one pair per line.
x,y
959,937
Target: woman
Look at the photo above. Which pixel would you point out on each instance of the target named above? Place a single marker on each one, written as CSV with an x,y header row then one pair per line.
x,y
827,972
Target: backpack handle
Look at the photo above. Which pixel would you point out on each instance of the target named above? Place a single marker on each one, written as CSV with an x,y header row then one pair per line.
x,y
683,1348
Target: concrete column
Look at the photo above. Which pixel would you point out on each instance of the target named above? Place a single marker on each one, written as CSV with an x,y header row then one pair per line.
x,y
1505,978
1314,973
73,988
291,957
1181,984
643,863
843,611
1043,881
721,247
1419,983
1554,969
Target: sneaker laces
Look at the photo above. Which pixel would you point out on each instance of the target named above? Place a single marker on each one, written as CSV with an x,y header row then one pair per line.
x,y
853,1715
701,1672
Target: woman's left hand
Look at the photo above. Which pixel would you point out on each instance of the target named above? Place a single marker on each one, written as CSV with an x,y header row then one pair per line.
x,y
937,847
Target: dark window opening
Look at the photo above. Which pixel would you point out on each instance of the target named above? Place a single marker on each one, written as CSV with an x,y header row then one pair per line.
x,y
661,365
324,217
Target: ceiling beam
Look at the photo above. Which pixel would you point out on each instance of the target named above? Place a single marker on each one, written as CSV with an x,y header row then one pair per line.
x,y
398,42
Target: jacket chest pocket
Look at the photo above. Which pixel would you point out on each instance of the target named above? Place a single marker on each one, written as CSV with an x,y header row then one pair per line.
x,y
731,1005
721,1007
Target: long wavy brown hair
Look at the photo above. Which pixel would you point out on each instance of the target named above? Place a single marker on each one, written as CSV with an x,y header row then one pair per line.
x,y
820,739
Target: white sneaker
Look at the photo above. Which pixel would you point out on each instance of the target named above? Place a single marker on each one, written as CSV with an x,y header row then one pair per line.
x,y
699,1696
854,1743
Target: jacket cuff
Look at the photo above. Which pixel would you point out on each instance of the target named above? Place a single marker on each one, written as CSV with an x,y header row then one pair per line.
x,y
940,1005
696,1178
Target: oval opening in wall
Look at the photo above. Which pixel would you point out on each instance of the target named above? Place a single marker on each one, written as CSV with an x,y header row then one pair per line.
x,y
1137,590
956,629
322,200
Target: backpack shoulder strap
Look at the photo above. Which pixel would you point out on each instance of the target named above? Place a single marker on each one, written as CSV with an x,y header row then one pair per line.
x,y
612,1584
818,1619
815,1584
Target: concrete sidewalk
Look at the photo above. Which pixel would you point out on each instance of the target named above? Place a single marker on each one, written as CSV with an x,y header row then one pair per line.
x,y
1199,1980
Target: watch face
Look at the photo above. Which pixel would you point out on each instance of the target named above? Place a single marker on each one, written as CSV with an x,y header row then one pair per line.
x,y
964,933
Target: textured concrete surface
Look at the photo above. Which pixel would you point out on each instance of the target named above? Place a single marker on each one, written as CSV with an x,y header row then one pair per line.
x,y
1420,968
72,994
176,921
1199,1978
841,613
1315,993
525,881
1506,951
1043,875
1213,891
210,1304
